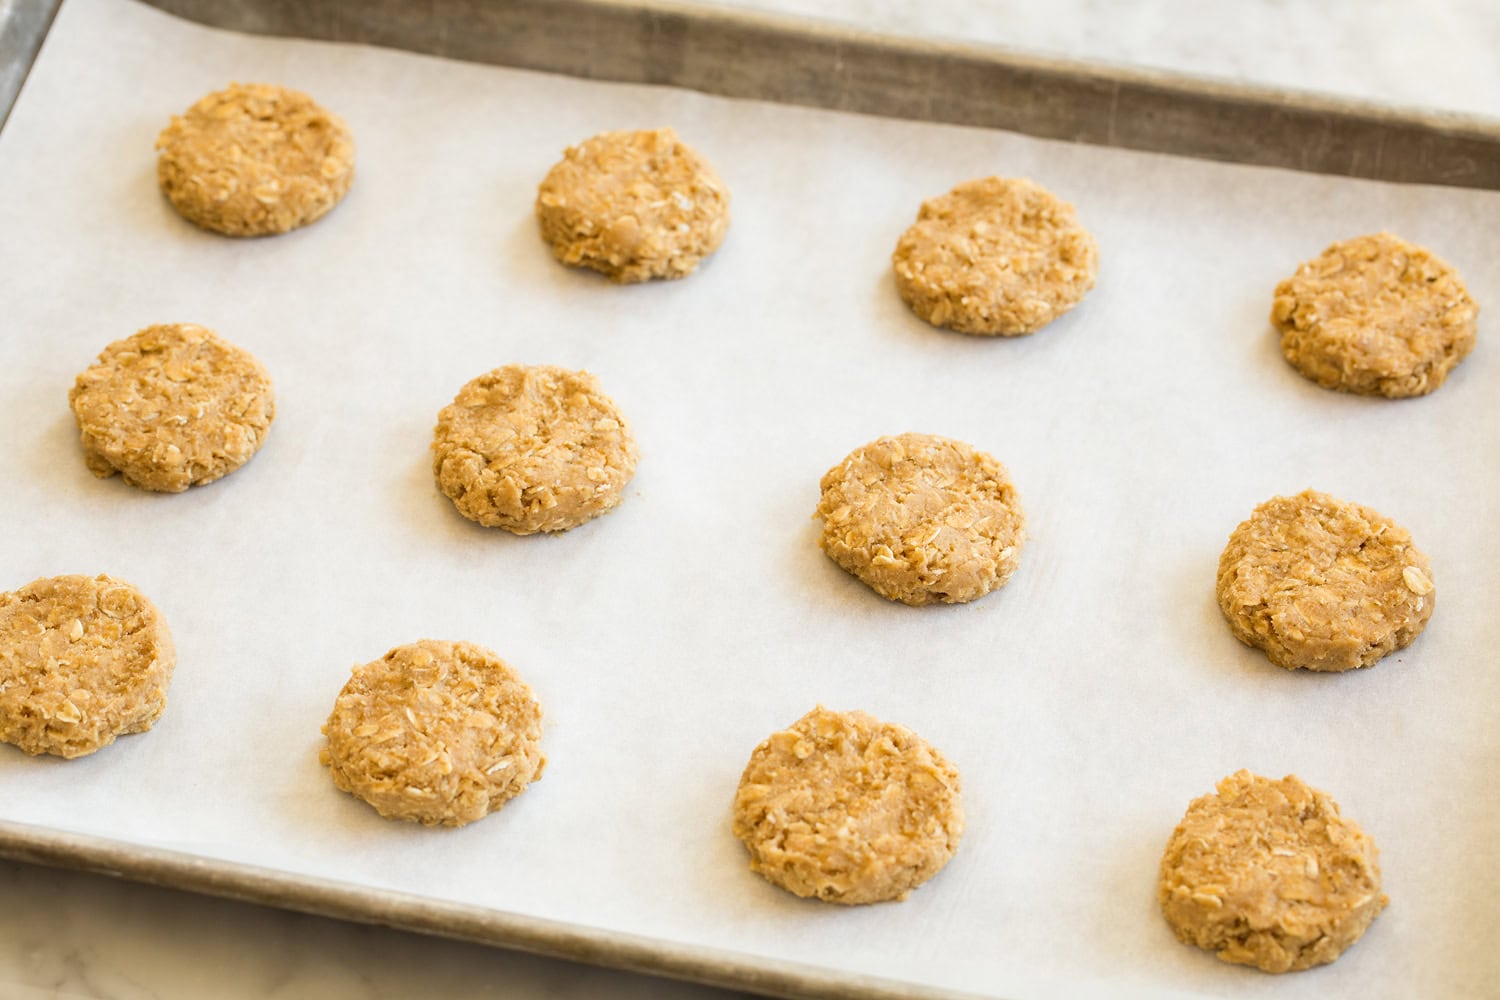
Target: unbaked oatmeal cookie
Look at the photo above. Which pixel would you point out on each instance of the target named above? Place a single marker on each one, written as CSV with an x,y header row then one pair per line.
x,y
848,809
922,519
172,406
532,449
1320,583
1270,874
995,256
633,206
255,160
83,659
1375,315
438,733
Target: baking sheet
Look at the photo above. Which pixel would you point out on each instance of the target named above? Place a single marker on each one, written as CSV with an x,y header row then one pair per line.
x,y
1086,703
805,61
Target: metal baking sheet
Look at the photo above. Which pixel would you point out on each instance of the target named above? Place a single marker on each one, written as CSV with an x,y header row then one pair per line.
x,y
23,25
792,60
668,638
737,53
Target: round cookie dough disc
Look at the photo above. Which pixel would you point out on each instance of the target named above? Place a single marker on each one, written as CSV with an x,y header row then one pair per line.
x,y
255,160
1323,584
921,519
533,449
172,406
438,733
848,809
995,256
633,206
82,660
1375,315
1268,873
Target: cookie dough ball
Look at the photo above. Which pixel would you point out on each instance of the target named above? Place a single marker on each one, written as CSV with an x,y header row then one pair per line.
x,y
1375,315
1268,873
995,256
633,206
1323,584
255,160
922,518
82,660
438,733
848,809
533,449
171,407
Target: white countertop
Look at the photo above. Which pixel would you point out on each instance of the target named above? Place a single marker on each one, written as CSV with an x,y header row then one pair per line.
x,y
1435,54
66,934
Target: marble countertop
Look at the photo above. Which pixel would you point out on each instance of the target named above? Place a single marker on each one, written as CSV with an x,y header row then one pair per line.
x,y
71,935
1437,54
67,935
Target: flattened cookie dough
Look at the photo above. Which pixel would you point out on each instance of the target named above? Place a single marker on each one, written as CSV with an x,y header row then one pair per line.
x,y
633,206
172,406
83,659
1268,873
255,160
1375,315
533,449
921,519
438,733
848,809
995,256
1323,584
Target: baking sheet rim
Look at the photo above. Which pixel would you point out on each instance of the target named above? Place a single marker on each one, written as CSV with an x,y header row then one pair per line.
x,y
341,900
788,59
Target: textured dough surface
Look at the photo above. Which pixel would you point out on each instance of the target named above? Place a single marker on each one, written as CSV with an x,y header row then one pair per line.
x,y
995,256
172,406
1324,584
1375,315
848,809
1268,873
922,519
533,449
633,206
254,160
438,733
83,659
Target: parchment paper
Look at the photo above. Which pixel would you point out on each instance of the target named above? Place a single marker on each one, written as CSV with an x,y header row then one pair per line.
x,y
1086,703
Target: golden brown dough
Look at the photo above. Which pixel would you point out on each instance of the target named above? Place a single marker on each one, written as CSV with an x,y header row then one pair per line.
x,y
995,256
83,659
633,206
1375,315
533,449
1323,584
922,519
172,406
438,733
1268,873
848,809
255,160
